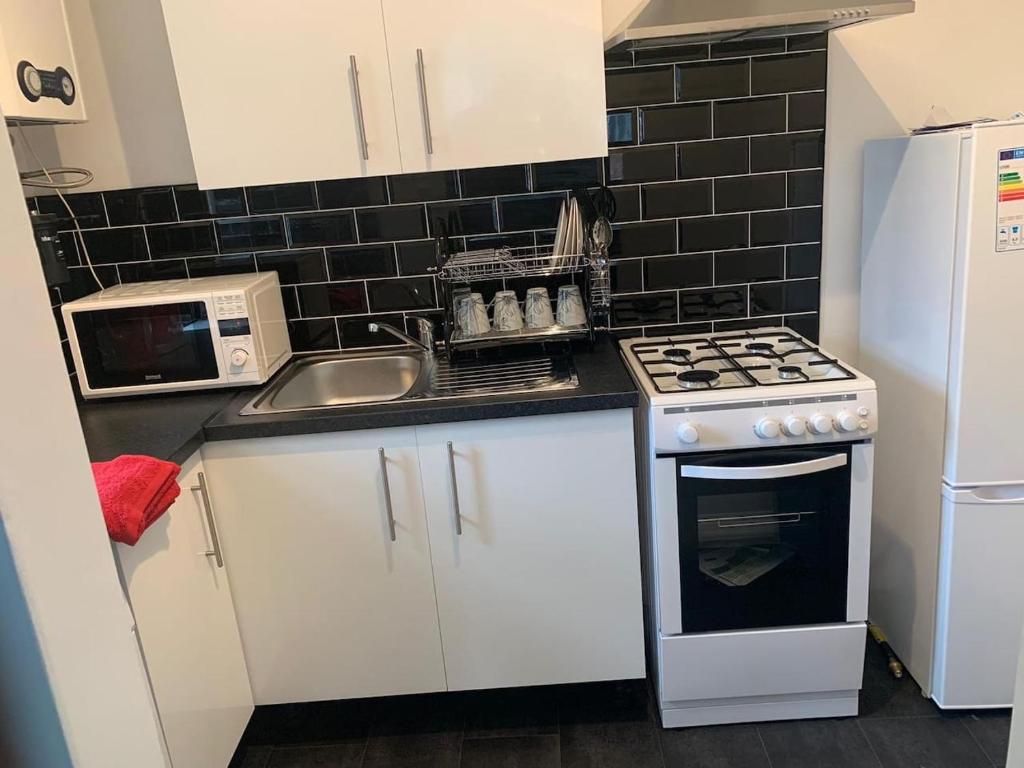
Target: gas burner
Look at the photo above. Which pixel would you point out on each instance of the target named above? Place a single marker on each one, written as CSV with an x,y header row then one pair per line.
x,y
760,347
789,372
698,379
676,355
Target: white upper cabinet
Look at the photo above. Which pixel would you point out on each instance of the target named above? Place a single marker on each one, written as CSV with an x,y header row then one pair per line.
x,y
496,83
270,94
186,623
330,603
534,534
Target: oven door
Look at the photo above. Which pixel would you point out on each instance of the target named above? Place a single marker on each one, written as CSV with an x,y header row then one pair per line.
x,y
145,346
763,537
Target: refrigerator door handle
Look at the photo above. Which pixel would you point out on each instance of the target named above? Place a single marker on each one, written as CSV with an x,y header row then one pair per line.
x,y
986,494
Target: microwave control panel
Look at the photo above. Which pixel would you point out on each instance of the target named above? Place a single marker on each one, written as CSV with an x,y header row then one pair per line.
x,y
237,350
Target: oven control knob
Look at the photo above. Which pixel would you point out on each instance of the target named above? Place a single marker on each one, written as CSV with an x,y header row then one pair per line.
x,y
238,357
821,424
687,433
847,421
767,428
794,426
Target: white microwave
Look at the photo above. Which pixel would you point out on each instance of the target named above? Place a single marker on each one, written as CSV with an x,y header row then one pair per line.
x,y
176,335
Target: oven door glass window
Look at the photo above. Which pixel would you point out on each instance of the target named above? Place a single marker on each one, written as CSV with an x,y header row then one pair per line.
x,y
763,538
153,344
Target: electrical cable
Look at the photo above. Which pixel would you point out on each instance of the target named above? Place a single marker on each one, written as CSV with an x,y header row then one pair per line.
x,y
29,179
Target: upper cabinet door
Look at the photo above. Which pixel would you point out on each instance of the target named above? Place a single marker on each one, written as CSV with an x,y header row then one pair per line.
x,y
496,83
275,92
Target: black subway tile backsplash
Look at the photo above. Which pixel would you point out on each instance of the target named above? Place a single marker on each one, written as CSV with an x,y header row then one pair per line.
x,y
396,222
140,206
679,271
649,238
750,193
715,165
87,207
406,293
194,238
712,233
530,211
784,74
470,217
352,262
302,266
421,187
787,151
745,117
566,174
806,111
110,246
263,233
622,128
642,85
498,180
632,164
352,193
313,335
336,228
195,203
677,122
749,265
677,198
713,80
281,198
725,157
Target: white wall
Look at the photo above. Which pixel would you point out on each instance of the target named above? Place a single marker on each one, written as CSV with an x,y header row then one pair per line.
x,y
884,77
58,543
135,134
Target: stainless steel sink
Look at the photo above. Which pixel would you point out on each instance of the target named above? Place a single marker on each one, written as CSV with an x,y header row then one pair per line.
x,y
344,379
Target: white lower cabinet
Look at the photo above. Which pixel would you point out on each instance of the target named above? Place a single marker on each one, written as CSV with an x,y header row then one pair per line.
x,y
542,584
186,625
329,606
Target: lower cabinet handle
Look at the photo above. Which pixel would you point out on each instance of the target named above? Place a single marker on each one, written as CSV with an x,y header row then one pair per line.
x,y
424,106
387,492
215,553
455,490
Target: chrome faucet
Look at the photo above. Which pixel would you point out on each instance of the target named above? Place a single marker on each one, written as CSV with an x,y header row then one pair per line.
x,y
424,328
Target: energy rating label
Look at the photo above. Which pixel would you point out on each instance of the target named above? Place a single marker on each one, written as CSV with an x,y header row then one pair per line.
x,y
1010,203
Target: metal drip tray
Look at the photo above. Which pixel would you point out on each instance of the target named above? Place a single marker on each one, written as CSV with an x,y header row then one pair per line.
x,y
347,379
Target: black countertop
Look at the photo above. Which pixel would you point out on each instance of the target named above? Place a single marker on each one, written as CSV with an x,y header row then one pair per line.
x,y
172,427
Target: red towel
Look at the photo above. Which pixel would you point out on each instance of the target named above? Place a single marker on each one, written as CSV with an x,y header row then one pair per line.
x,y
134,491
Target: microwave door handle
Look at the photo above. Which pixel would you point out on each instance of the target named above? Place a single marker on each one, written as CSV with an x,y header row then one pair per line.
x,y
768,472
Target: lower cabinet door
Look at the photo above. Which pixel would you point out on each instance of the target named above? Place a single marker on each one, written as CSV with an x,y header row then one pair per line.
x,y
329,604
186,626
542,584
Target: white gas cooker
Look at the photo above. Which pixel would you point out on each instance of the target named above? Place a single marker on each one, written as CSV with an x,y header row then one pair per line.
x,y
759,388
758,454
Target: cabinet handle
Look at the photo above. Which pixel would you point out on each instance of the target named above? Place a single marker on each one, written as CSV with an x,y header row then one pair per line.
x,y
210,522
387,492
424,107
358,96
455,490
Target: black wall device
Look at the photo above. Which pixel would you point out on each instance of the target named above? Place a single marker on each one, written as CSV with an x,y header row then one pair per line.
x,y
55,267
37,83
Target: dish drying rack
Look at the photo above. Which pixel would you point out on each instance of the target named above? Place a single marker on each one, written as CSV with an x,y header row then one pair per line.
x,y
457,271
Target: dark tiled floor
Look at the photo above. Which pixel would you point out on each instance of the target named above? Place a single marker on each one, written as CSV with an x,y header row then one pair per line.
x,y
613,725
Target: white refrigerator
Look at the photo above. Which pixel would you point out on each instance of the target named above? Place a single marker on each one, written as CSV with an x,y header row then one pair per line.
x,y
942,334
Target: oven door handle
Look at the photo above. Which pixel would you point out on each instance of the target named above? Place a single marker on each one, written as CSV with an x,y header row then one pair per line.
x,y
769,472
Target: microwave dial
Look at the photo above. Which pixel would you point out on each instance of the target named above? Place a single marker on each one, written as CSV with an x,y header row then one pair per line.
x,y
239,357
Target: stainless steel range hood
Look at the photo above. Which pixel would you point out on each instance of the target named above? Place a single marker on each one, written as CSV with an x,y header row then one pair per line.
x,y
668,22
